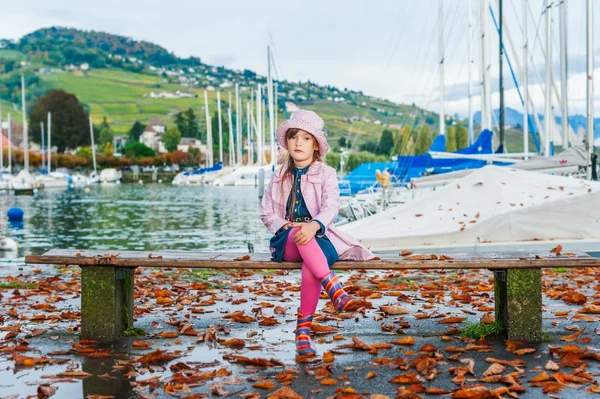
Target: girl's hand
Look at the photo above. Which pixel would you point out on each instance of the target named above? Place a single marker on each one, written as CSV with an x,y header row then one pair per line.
x,y
306,233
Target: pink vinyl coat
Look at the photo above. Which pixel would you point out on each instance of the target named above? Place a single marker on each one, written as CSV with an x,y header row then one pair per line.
x,y
322,197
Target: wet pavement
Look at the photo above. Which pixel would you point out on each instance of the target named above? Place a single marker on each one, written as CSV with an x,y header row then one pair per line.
x,y
213,369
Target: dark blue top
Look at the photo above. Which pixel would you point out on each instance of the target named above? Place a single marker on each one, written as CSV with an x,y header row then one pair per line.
x,y
298,212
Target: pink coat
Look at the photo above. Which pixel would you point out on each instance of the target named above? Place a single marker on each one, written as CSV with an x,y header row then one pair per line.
x,y
322,197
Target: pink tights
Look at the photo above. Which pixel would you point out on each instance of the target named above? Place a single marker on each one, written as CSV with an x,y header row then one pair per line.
x,y
314,268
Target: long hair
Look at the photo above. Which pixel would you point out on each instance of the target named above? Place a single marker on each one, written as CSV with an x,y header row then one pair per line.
x,y
289,167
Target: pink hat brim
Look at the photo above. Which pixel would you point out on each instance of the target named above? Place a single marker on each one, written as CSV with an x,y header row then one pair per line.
x,y
319,135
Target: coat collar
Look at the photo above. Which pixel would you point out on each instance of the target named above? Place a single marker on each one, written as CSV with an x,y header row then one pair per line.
x,y
313,169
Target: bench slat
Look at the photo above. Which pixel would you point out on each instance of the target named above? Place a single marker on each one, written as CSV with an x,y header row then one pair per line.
x,y
526,259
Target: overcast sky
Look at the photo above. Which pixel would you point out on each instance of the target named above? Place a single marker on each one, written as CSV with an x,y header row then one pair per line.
x,y
386,48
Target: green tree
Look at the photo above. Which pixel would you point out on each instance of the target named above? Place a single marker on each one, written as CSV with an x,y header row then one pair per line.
x,y
70,123
106,133
342,141
404,141
333,159
424,140
450,139
135,132
137,150
171,138
181,121
357,158
193,129
369,146
462,136
187,123
105,124
386,143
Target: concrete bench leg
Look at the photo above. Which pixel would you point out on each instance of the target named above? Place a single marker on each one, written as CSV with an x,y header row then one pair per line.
x,y
518,295
106,302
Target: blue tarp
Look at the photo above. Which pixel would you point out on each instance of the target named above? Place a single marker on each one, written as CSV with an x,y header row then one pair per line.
x,y
410,166
201,171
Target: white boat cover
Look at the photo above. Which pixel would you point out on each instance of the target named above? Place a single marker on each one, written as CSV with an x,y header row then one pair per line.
x,y
571,157
491,205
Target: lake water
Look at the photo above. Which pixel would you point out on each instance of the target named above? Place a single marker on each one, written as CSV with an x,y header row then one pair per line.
x,y
147,217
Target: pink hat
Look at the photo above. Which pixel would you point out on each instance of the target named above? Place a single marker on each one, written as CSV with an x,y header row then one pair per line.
x,y
308,121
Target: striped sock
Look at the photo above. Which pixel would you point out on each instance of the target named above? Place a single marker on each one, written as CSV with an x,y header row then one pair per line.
x,y
339,298
303,343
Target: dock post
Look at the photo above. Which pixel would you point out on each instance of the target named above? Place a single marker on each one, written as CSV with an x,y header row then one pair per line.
x,y
106,302
518,297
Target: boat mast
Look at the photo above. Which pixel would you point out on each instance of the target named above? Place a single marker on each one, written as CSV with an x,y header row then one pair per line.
x,y
238,124
248,131
441,58
271,113
471,138
259,124
590,85
548,111
485,122
220,128
563,73
524,84
93,146
25,127
9,143
43,145
231,142
209,143
49,142
501,83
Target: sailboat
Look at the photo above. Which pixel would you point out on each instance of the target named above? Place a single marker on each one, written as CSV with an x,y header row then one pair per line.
x,y
24,182
52,180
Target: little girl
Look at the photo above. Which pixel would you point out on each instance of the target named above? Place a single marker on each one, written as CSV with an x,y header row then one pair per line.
x,y
299,207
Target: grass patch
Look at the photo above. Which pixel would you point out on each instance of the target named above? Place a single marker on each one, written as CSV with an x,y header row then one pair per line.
x,y
134,332
5,286
546,337
481,330
561,270
12,55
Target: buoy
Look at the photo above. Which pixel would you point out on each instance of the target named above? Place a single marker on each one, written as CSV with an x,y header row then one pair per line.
x,y
87,190
159,181
15,214
140,182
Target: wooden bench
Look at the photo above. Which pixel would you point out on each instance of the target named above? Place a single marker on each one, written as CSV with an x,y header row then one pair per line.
x,y
107,280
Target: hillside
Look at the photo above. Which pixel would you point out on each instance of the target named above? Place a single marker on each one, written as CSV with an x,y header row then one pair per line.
x,y
114,76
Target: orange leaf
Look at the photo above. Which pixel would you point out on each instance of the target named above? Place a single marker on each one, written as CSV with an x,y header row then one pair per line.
x,y
329,381
328,357
393,310
452,319
573,337
371,374
266,384
405,341
407,378
524,351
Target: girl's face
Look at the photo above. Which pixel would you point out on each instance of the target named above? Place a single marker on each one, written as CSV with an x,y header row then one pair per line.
x,y
301,147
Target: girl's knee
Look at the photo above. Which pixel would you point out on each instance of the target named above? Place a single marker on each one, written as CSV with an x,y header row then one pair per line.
x,y
293,231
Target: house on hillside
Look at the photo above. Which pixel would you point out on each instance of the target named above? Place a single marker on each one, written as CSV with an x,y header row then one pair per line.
x,y
152,136
189,142
119,143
